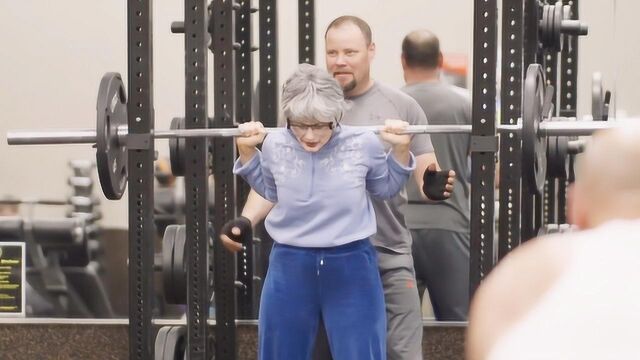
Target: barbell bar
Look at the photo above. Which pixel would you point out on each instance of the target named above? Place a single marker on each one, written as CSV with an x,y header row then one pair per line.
x,y
88,136
111,137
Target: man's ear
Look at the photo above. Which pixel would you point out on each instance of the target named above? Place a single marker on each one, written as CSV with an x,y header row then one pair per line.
x,y
372,51
440,60
403,61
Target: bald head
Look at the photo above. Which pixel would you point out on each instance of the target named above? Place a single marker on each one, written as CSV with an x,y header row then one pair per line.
x,y
608,178
421,49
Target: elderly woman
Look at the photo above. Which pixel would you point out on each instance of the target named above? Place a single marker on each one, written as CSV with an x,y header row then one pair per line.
x,y
320,175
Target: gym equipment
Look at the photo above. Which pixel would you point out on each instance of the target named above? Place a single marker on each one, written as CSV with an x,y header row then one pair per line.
x,y
549,229
174,272
600,99
170,343
559,148
171,262
59,265
49,233
555,22
112,140
176,148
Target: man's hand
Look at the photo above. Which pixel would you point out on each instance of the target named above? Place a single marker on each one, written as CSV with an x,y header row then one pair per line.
x,y
438,185
236,233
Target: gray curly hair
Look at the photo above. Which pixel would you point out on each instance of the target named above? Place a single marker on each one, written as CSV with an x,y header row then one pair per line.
x,y
310,93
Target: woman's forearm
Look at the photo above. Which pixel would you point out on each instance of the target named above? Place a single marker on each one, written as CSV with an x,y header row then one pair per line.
x,y
401,154
246,153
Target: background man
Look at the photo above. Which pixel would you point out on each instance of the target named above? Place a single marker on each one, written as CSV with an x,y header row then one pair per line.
x,y
440,230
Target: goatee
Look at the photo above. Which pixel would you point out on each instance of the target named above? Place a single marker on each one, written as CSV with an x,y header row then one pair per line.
x,y
349,86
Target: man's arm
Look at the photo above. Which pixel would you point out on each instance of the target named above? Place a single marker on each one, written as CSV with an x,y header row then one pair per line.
x,y
511,290
422,147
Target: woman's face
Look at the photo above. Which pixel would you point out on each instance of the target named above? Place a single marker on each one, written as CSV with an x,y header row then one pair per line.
x,y
311,134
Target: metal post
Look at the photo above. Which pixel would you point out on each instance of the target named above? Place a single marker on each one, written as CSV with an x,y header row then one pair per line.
x,y
223,156
550,66
269,89
306,31
483,131
568,99
269,105
244,84
141,228
510,146
196,179
531,48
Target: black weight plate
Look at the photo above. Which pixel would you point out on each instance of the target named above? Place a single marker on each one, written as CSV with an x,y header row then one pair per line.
x,y
161,340
168,246
111,156
546,25
572,171
175,345
176,149
534,147
557,156
180,267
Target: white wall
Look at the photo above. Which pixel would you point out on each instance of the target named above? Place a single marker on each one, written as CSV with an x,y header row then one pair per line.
x,y
53,57
53,54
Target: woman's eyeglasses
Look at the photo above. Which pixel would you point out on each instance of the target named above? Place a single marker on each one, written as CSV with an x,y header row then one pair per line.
x,y
301,128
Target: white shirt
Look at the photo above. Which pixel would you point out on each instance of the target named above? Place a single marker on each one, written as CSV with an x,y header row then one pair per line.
x,y
593,309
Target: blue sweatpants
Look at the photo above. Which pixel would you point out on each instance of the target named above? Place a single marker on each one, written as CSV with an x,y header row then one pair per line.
x,y
340,284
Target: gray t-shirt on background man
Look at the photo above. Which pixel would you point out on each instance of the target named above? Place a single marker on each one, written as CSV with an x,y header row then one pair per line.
x,y
378,104
444,105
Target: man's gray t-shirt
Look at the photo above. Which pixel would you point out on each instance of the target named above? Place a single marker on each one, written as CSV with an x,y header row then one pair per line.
x,y
444,105
378,104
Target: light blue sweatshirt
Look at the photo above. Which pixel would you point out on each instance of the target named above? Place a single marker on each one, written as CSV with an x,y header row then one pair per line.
x,y
322,198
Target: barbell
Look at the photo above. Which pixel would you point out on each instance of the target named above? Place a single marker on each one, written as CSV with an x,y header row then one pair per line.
x,y
112,140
